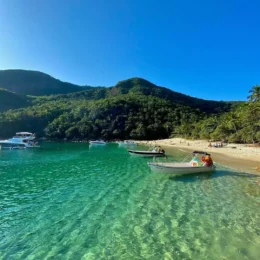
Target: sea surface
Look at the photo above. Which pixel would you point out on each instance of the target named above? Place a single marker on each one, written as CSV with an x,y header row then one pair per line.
x,y
76,201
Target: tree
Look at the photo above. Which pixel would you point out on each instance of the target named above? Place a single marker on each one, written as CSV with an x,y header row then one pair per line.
x,y
255,96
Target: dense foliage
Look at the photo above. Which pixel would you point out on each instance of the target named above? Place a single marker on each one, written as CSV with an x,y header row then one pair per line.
x,y
124,116
143,87
40,84
134,108
9,100
241,124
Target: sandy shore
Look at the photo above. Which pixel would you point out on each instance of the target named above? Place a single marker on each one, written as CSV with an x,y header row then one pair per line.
x,y
237,156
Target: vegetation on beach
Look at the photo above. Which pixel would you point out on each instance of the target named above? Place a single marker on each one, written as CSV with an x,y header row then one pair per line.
x,y
134,108
241,125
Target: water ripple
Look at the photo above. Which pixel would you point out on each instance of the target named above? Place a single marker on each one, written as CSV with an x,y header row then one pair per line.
x,y
70,201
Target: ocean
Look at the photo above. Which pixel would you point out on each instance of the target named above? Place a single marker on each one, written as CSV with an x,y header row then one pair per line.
x,y
76,201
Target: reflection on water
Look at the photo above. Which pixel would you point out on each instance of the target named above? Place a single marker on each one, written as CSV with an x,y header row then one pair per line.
x,y
72,201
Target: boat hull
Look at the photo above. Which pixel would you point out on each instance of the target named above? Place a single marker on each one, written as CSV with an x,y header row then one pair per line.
x,y
179,168
145,153
97,143
12,147
17,147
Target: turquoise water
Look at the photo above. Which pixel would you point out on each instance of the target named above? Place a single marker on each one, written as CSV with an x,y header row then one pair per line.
x,y
73,201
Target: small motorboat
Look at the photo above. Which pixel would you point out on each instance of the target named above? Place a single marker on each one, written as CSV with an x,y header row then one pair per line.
x,y
178,168
126,143
153,153
98,142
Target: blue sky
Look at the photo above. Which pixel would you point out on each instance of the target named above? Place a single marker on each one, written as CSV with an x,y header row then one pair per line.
x,y
208,49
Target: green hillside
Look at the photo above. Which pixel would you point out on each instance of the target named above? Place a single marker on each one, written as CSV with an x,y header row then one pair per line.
x,y
133,108
34,83
141,86
9,100
40,84
123,116
131,115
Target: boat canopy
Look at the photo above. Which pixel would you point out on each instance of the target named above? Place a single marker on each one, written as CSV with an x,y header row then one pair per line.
x,y
200,152
24,133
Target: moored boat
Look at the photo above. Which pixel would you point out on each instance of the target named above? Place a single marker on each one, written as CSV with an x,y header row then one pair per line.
x,y
98,142
193,166
21,140
147,153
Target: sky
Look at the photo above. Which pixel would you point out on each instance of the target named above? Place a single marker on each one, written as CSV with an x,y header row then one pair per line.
x,y
208,49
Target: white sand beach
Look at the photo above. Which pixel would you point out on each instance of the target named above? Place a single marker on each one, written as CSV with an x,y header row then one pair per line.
x,y
238,156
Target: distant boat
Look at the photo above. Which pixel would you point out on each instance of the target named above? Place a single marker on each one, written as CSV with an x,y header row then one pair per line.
x,y
127,143
21,140
184,167
146,153
98,142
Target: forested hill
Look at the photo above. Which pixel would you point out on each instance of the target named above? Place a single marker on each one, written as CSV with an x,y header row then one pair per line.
x,y
142,86
34,83
139,86
40,84
134,108
10,100
24,88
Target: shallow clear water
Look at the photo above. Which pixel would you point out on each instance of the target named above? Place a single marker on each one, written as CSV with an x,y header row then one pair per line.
x,y
73,201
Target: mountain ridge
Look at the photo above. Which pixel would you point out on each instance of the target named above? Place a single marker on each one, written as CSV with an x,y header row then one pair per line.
x,y
30,82
134,108
35,83
7,82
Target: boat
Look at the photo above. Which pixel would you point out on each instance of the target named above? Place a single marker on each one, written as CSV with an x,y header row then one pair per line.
x,y
21,140
156,152
146,153
126,143
178,168
98,142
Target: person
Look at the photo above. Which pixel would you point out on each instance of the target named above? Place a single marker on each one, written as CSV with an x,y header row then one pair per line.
x,y
195,161
203,159
159,149
207,160
210,145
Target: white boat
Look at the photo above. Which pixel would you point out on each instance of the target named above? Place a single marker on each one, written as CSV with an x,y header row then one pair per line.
x,y
98,142
126,143
177,168
21,140
146,153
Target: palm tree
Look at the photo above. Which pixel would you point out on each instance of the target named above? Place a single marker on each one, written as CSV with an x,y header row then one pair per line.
x,y
255,96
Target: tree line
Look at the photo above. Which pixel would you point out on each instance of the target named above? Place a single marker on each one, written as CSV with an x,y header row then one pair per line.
x,y
132,115
240,125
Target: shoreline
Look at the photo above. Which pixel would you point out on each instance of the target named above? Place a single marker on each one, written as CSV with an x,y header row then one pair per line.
x,y
237,156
